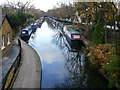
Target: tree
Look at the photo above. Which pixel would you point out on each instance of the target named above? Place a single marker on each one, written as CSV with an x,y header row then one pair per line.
x,y
18,6
18,19
63,11
98,12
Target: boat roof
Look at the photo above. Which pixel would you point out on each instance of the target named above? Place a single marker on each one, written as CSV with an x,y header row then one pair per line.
x,y
26,28
73,31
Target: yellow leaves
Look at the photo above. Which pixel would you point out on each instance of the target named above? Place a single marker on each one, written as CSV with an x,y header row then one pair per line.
x,y
89,54
114,75
114,10
100,53
9,78
109,53
82,14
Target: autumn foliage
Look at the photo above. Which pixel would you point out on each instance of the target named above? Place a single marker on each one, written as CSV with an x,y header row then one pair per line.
x,y
99,54
103,58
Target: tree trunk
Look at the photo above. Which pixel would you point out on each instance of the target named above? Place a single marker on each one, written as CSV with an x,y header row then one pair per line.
x,y
117,43
105,34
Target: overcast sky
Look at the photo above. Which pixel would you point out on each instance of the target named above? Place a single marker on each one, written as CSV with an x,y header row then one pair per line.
x,y
41,4
49,4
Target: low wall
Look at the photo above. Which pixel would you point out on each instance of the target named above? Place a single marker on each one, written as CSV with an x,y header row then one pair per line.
x,y
11,75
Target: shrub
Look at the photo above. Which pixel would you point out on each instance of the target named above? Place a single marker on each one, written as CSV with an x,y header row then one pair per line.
x,y
112,70
18,19
98,34
99,54
14,20
103,58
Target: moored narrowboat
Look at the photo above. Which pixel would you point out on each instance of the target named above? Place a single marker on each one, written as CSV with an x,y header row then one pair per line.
x,y
26,33
73,37
34,26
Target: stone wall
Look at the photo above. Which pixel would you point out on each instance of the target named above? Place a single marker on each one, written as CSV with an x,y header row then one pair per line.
x,y
5,29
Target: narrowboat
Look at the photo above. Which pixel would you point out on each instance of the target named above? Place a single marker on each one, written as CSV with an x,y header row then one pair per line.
x,y
64,20
54,22
60,26
34,26
26,33
73,37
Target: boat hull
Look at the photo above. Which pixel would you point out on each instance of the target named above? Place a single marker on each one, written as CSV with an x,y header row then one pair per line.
x,y
75,44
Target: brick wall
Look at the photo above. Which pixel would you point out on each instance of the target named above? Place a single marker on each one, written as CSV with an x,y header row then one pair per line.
x,y
5,29
0,44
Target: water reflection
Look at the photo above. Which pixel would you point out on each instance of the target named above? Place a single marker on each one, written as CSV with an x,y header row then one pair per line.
x,y
80,75
62,68
52,58
74,63
77,57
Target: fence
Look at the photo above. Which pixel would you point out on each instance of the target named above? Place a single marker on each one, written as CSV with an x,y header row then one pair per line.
x,y
9,78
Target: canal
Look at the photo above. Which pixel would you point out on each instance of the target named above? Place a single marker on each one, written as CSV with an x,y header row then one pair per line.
x,y
62,68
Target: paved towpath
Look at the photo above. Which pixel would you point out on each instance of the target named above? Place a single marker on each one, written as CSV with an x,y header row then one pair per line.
x,y
29,75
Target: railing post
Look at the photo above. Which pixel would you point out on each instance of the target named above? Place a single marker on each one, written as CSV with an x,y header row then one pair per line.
x,y
19,43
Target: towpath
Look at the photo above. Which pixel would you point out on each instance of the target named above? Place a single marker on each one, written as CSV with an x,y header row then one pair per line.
x,y
29,75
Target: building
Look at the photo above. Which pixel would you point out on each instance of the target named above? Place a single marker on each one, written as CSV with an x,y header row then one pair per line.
x,y
5,36
81,17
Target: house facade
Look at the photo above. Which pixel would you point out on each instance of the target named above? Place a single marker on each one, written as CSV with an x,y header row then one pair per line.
x,y
6,36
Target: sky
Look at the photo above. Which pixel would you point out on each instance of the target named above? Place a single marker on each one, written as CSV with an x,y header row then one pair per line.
x,y
41,4
49,4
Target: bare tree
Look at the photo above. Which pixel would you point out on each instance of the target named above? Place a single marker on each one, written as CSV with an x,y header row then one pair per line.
x,y
18,6
62,11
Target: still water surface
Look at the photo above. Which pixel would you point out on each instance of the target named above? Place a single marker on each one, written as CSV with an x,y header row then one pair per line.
x,y
60,67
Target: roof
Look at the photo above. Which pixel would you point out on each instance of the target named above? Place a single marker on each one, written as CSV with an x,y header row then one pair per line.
x,y
2,18
73,31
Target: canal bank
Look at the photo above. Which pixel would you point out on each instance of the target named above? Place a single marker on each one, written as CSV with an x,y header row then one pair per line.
x,y
29,75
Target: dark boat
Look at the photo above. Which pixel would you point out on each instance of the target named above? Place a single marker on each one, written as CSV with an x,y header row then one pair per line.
x,y
35,25
63,20
26,33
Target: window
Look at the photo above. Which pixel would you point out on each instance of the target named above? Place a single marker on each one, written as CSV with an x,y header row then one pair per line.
x,y
3,42
8,38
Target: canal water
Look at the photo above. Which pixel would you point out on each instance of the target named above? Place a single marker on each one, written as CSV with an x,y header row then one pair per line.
x,y
62,68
